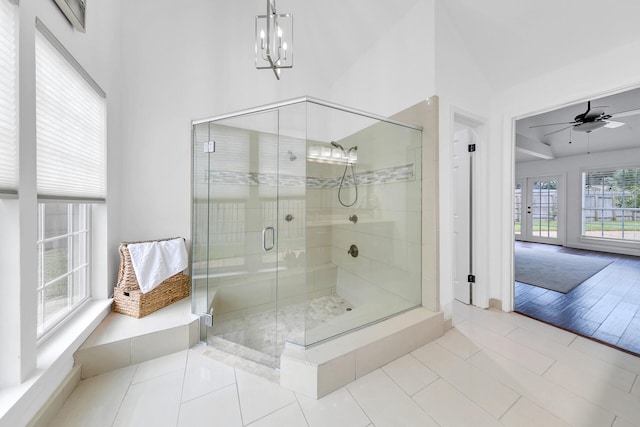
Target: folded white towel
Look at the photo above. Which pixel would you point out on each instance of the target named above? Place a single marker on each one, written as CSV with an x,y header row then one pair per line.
x,y
153,262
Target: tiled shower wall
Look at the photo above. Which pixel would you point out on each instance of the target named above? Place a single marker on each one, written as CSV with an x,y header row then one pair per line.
x,y
388,231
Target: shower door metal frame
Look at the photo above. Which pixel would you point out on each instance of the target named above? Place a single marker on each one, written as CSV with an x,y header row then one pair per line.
x,y
310,100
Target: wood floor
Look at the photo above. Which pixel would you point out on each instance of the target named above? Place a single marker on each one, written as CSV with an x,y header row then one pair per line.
x,y
605,307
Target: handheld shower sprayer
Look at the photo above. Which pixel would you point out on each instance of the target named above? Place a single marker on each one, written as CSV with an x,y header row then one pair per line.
x,y
353,173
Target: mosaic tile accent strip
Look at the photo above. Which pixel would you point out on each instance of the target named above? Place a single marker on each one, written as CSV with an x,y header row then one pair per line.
x,y
390,175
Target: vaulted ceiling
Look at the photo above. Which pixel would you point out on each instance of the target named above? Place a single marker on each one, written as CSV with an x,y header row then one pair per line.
x,y
513,41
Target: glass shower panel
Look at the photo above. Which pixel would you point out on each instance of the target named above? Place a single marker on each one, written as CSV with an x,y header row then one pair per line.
x,y
241,222
363,220
293,285
306,225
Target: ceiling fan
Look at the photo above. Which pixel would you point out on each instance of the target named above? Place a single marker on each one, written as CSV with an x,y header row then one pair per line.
x,y
593,119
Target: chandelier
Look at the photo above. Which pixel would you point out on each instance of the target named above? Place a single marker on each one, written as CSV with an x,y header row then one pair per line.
x,y
274,40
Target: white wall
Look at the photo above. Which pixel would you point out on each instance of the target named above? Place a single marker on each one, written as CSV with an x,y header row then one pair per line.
x,y
609,72
572,168
397,70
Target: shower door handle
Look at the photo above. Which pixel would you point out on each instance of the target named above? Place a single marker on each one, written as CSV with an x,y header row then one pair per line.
x,y
264,238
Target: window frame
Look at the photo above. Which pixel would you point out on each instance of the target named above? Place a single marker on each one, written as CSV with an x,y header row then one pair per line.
x,y
82,230
86,193
611,171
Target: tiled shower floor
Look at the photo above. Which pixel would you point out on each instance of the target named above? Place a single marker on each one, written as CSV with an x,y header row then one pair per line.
x,y
259,337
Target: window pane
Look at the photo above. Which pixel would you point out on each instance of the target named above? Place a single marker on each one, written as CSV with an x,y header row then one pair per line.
x,y
79,250
545,209
517,210
56,221
56,299
55,259
79,286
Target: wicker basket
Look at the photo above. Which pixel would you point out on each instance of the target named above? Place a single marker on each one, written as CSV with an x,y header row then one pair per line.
x,y
128,298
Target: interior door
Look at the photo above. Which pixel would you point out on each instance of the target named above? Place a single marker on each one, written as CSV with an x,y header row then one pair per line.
x,y
542,211
462,213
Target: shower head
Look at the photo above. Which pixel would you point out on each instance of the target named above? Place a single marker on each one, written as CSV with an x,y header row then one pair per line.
x,y
354,148
335,144
292,156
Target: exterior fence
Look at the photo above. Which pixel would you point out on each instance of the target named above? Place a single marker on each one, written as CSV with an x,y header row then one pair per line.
x,y
603,206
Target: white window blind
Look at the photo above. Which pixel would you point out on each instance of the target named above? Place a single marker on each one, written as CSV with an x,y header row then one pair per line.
x,y
8,97
70,124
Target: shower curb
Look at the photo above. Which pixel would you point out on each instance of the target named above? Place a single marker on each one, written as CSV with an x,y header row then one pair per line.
x,y
324,368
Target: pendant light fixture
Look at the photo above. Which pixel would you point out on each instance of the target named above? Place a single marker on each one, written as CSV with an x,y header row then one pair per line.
x,y
274,40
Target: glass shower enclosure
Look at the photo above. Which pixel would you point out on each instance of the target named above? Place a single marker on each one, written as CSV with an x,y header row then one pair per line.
x,y
306,224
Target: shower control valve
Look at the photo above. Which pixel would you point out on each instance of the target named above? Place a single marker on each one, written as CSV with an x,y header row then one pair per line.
x,y
353,251
288,218
353,218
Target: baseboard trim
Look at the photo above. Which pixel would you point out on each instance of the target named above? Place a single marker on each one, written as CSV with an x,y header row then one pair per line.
x,y
50,409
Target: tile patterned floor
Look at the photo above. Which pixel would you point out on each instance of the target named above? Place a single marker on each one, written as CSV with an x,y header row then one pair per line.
x,y
605,307
491,369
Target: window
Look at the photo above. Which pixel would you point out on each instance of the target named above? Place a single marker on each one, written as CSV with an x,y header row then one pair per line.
x,y
8,97
70,172
63,261
611,204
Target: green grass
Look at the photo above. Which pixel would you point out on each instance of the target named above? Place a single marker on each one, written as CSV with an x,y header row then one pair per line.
x,y
592,226
538,225
612,226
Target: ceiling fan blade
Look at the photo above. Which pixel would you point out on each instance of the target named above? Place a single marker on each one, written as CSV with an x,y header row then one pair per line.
x,y
556,131
626,113
613,124
552,124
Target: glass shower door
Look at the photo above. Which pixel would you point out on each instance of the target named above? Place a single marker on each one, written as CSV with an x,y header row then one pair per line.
x,y
235,211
